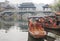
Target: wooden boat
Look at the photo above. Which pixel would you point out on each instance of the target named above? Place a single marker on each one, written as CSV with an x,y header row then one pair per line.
x,y
36,29
51,23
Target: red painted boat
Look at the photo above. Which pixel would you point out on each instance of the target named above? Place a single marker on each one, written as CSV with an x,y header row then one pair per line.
x,y
36,29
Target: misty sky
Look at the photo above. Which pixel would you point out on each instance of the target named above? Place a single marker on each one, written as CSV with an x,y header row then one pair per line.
x,y
34,1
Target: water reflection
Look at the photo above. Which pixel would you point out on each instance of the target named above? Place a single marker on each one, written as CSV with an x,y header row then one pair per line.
x,y
10,31
15,28
14,33
8,27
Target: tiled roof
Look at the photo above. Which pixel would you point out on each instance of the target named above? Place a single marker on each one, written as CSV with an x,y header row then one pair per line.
x,y
27,5
46,6
9,13
8,7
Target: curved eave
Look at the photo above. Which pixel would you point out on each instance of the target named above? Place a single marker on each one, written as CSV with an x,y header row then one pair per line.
x,y
26,7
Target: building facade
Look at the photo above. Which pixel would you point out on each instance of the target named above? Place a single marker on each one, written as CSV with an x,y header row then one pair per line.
x,y
22,12
26,10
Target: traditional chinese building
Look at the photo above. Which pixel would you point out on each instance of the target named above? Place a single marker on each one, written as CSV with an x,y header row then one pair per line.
x,y
7,13
47,10
26,9
3,4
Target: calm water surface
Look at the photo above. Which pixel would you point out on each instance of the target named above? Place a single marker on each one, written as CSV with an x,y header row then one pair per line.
x,y
13,34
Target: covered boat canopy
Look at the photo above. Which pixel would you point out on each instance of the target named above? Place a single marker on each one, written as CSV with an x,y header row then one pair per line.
x,y
57,13
42,15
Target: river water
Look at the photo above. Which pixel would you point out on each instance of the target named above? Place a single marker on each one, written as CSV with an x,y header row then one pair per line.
x,y
13,34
